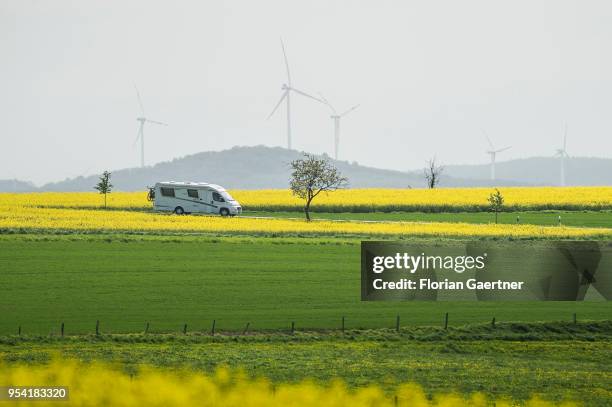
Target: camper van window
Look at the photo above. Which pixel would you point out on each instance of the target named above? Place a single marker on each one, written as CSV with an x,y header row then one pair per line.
x,y
167,192
227,196
217,197
192,193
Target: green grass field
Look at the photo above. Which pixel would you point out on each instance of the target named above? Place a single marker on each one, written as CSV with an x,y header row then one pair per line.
x,y
126,281
556,361
168,280
548,218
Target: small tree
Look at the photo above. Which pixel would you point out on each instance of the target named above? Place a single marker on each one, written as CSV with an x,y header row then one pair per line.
x,y
496,202
104,186
311,176
432,173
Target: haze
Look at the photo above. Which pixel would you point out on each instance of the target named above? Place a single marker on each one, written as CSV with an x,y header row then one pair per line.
x,y
429,75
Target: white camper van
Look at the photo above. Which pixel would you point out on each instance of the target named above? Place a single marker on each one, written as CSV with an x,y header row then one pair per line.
x,y
193,197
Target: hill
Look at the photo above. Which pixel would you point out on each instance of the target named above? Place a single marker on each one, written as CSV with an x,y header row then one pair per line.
x,y
13,185
268,167
248,168
541,171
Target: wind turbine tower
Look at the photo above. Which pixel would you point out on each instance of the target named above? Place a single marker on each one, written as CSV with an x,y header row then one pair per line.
x,y
493,154
142,120
287,88
562,154
336,118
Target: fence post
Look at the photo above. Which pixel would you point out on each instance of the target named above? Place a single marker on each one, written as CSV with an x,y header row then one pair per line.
x,y
212,332
62,329
185,329
575,319
292,327
19,331
518,219
493,322
343,324
97,327
395,401
146,328
446,321
397,323
246,328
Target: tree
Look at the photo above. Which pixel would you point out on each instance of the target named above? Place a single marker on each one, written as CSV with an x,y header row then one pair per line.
x,y
104,186
311,176
432,173
496,202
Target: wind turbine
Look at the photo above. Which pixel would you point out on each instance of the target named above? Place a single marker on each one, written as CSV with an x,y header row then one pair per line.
x,y
286,95
493,153
562,154
142,120
336,118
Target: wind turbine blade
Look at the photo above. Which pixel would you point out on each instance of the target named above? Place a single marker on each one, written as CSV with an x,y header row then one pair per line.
x,y
490,143
503,149
348,111
137,138
488,139
286,62
326,102
139,100
307,95
155,122
278,104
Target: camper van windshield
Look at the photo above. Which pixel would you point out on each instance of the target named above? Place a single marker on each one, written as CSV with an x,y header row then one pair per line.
x,y
227,196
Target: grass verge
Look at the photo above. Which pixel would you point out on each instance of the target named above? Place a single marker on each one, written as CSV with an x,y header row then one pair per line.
x,y
557,361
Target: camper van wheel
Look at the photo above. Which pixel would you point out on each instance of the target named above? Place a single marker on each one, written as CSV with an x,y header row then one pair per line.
x,y
179,210
224,212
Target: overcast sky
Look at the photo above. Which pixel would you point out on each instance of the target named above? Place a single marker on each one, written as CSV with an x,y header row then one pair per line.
x,y
429,75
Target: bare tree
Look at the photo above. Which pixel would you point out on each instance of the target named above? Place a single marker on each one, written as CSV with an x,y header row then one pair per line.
x,y
432,173
311,176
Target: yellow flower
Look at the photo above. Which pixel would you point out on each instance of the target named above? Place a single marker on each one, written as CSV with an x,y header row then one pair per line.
x,y
98,384
80,212
352,199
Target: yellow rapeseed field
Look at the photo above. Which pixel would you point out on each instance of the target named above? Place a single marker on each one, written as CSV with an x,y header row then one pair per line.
x,y
26,217
363,200
81,212
433,200
99,384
